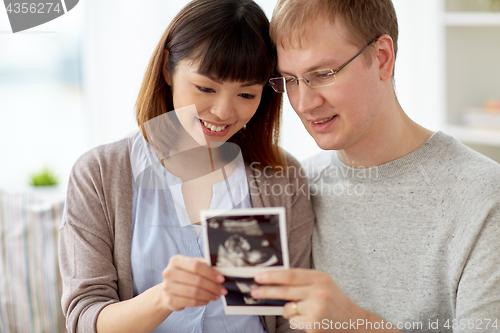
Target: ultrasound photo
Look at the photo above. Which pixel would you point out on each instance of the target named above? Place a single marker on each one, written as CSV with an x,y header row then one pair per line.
x,y
241,242
239,295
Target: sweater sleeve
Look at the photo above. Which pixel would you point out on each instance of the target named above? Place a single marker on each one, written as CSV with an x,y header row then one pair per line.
x,y
86,248
478,293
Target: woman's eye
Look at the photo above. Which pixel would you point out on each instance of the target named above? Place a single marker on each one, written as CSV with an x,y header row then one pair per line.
x,y
205,89
247,96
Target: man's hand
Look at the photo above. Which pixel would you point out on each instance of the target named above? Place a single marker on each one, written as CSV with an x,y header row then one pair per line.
x,y
315,298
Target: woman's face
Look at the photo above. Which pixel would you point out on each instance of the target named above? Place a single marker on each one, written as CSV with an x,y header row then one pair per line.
x,y
209,110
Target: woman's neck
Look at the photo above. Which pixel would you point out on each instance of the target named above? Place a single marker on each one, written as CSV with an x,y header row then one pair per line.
x,y
195,162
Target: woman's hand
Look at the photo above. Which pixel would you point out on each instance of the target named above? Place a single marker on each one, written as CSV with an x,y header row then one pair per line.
x,y
190,282
186,282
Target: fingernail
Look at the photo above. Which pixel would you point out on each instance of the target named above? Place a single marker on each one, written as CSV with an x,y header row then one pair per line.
x,y
255,292
258,277
223,291
220,278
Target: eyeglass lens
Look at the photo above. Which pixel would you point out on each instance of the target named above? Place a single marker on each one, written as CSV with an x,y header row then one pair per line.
x,y
314,79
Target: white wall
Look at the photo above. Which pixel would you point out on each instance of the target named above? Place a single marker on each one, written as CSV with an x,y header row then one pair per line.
x,y
42,121
119,40
419,71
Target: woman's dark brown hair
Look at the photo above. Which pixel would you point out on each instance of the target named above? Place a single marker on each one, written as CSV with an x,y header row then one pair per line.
x,y
229,39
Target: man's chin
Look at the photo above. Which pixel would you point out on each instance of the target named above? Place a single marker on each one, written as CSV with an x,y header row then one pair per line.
x,y
326,143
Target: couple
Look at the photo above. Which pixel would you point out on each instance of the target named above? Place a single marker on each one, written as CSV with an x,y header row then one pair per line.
x,y
415,250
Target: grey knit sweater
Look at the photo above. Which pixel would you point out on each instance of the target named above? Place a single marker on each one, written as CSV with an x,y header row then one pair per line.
x,y
416,240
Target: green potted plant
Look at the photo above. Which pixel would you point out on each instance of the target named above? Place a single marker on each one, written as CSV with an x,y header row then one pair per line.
x,y
44,177
45,185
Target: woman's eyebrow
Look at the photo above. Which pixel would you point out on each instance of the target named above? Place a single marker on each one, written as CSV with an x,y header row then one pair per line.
x,y
211,77
217,80
249,84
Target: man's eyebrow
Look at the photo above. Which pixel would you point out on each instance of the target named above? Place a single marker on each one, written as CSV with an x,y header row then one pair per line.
x,y
280,71
322,64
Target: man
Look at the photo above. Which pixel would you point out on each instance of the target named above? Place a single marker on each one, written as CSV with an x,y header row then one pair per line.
x,y
407,221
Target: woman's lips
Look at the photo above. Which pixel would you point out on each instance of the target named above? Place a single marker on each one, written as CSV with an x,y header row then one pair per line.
x,y
218,130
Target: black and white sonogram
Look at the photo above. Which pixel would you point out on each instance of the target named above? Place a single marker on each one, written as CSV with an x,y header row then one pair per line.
x,y
245,240
239,293
239,243
242,241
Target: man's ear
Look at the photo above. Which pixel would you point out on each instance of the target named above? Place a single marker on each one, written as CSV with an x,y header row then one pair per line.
x,y
384,49
165,71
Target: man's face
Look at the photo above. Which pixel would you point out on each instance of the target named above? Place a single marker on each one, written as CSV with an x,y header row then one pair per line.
x,y
343,115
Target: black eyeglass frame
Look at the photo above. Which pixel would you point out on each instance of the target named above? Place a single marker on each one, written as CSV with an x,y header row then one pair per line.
x,y
332,72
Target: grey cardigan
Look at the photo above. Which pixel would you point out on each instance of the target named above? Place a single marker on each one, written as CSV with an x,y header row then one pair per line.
x,y
95,234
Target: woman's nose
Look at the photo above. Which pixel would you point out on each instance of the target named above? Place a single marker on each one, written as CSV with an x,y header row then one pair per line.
x,y
223,109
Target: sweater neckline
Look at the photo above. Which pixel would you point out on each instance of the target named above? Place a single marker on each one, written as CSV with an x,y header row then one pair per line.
x,y
429,149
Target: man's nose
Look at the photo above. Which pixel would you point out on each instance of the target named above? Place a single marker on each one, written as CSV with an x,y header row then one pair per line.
x,y
305,98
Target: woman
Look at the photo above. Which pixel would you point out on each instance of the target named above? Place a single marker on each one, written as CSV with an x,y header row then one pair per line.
x,y
130,251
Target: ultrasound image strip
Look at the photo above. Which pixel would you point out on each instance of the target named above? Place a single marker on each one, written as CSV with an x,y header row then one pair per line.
x,y
239,244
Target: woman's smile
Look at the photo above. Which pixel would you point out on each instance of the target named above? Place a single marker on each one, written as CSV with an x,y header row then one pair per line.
x,y
214,129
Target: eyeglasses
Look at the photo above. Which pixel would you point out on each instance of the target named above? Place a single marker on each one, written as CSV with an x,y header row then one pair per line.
x,y
314,79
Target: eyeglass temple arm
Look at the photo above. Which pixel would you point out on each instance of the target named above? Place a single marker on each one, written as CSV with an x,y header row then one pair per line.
x,y
357,54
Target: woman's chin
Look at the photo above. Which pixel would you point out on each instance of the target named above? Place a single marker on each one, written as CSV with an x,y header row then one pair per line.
x,y
215,144
217,141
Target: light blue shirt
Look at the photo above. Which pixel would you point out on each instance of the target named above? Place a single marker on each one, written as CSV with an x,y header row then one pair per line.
x,y
161,229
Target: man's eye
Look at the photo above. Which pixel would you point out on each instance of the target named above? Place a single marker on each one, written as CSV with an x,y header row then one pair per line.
x,y
247,96
290,79
323,75
205,89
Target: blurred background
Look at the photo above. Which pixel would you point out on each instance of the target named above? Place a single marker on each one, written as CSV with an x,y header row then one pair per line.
x,y
71,84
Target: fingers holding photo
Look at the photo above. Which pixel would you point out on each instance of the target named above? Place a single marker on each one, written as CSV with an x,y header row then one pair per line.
x,y
189,282
294,276
312,295
294,284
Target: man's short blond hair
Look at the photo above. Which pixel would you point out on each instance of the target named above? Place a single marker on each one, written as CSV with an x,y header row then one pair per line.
x,y
364,19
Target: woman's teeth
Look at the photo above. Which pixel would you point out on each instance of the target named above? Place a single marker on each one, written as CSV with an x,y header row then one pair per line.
x,y
213,128
324,121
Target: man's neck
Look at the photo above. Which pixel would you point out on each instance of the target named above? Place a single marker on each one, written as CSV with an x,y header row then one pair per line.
x,y
395,135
